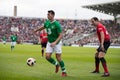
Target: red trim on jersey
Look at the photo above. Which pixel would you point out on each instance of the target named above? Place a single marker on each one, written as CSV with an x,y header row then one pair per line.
x,y
100,28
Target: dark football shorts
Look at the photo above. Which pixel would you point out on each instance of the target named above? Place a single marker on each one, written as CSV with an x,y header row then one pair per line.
x,y
43,45
106,46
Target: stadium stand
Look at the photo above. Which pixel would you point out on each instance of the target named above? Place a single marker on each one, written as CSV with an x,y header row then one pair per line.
x,y
111,8
78,32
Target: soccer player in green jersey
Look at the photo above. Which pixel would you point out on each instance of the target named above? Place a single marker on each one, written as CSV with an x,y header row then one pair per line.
x,y
13,41
4,40
54,43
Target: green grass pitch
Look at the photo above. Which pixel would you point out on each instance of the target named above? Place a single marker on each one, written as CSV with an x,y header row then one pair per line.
x,y
79,63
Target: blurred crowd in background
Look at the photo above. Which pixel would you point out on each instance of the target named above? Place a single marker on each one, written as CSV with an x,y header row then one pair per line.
x,y
79,32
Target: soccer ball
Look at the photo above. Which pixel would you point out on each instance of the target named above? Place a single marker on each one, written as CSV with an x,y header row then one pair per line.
x,y
31,61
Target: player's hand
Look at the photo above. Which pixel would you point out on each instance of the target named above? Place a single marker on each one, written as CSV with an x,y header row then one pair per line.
x,y
53,44
35,30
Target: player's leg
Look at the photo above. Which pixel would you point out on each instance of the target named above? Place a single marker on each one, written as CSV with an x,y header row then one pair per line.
x,y
104,64
43,48
49,51
52,61
97,62
62,65
58,49
42,51
12,45
102,59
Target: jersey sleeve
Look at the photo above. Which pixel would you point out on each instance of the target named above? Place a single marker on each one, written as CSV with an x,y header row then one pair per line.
x,y
100,28
59,28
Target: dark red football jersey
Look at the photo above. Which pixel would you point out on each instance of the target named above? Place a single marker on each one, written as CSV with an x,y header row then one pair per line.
x,y
43,37
100,28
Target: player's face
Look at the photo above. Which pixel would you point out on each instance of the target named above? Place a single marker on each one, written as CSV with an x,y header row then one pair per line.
x,y
50,16
93,22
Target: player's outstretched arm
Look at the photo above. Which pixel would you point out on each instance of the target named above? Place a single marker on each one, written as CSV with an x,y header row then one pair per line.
x,y
39,29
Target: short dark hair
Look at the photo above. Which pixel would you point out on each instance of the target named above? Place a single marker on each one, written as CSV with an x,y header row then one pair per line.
x,y
52,12
95,18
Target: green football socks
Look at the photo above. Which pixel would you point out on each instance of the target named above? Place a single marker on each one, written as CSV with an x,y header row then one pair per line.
x,y
12,47
51,60
62,66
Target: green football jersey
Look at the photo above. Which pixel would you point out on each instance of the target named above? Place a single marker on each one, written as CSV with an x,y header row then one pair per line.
x,y
4,38
53,30
13,38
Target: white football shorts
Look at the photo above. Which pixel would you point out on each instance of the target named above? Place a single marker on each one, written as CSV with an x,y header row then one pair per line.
x,y
57,49
13,43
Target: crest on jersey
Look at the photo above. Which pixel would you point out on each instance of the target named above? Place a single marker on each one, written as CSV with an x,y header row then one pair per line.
x,y
52,27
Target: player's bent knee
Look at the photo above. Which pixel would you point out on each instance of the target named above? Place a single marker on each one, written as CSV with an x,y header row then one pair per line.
x,y
59,59
48,57
96,54
101,54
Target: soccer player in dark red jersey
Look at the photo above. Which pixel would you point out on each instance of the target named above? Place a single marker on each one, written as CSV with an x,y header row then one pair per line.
x,y
104,39
43,40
